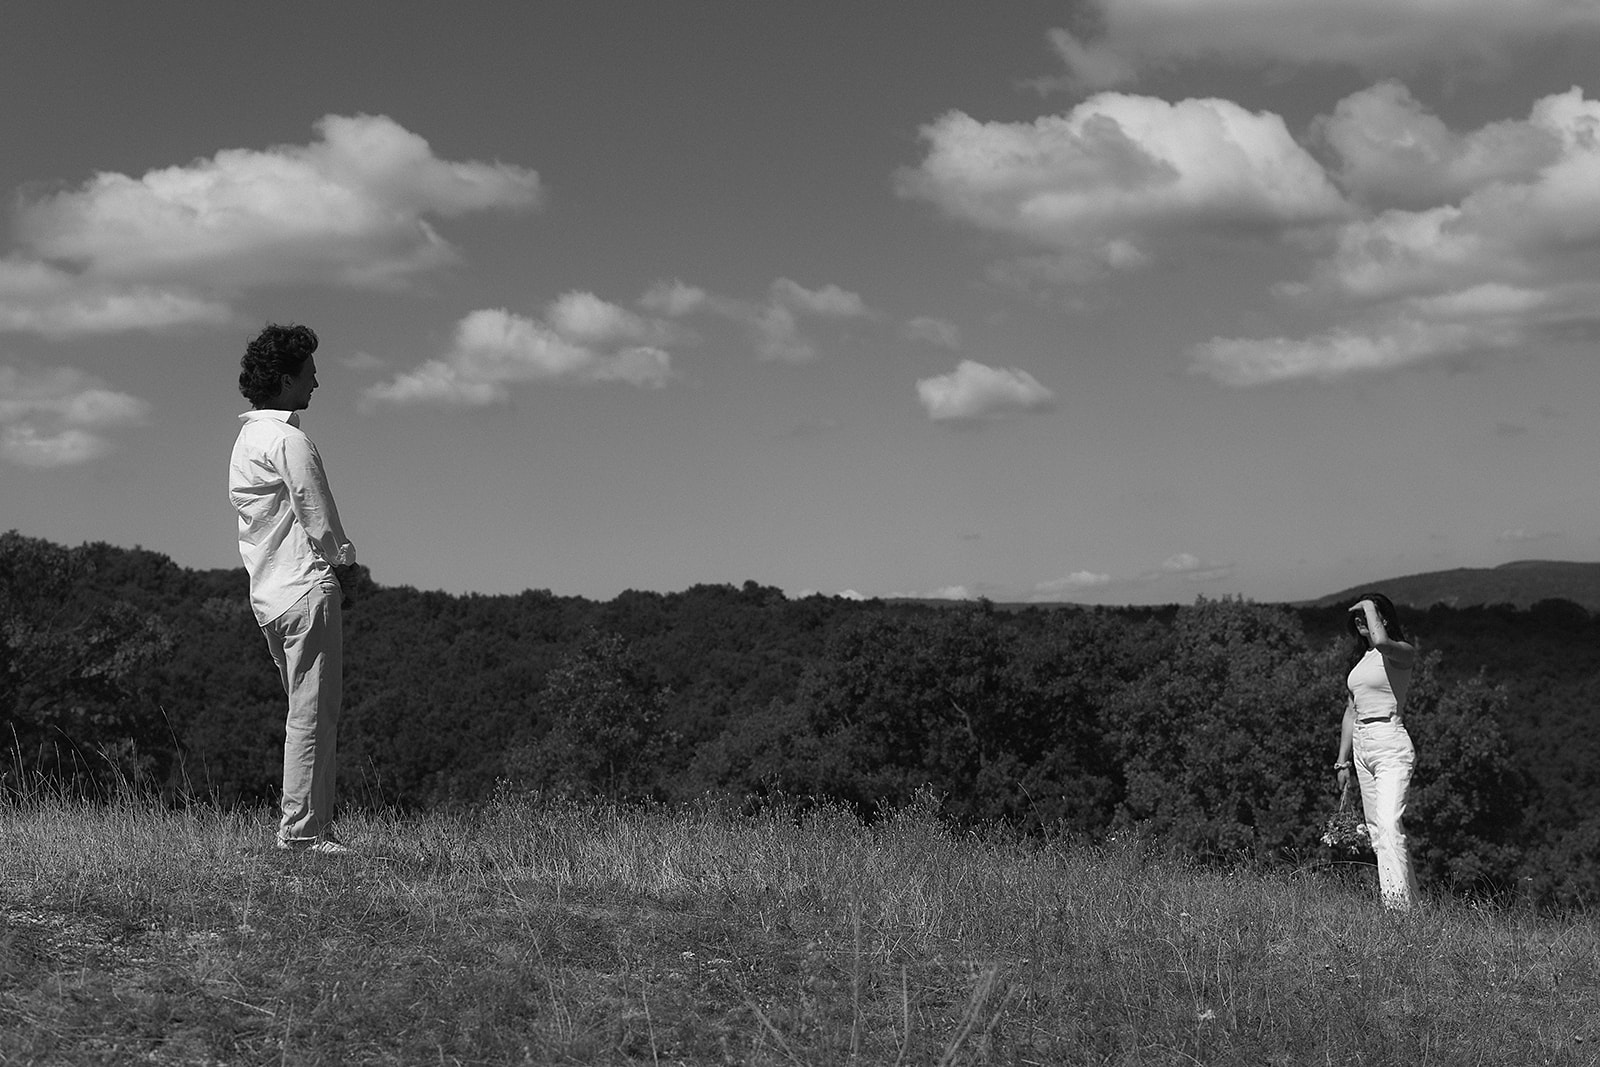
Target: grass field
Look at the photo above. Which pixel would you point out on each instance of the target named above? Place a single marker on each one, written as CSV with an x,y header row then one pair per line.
x,y
557,933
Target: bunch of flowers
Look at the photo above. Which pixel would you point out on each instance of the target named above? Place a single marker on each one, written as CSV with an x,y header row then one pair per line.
x,y
1346,831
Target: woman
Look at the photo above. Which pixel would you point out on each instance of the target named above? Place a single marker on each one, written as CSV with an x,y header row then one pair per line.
x,y
1374,741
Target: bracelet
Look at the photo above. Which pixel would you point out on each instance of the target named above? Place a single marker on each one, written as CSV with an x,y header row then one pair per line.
x,y
1344,766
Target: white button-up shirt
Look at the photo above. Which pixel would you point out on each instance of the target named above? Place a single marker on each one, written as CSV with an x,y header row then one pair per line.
x,y
289,531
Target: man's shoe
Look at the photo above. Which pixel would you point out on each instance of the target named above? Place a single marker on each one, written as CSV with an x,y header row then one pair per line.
x,y
327,846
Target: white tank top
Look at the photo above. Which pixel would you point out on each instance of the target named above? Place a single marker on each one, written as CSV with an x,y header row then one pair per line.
x,y
1379,689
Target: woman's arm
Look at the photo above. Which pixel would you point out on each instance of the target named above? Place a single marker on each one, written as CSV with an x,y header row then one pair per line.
x,y
1347,729
1399,653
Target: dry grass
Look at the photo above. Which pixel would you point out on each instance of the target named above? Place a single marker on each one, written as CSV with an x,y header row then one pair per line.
x,y
549,933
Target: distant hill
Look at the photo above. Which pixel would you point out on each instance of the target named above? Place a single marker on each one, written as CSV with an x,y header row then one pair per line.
x,y
1521,584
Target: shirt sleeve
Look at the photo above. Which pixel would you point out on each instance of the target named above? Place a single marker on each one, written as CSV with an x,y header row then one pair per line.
x,y
312,501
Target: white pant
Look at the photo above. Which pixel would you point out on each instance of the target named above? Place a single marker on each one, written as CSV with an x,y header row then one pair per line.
x,y
1384,757
307,645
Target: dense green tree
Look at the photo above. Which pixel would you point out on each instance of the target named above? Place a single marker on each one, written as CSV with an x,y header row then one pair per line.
x,y
603,714
997,713
899,700
75,703
1211,723
1225,743
1071,663
1467,799
1564,870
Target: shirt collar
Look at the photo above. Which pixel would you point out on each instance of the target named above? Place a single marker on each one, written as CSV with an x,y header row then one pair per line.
x,y
291,417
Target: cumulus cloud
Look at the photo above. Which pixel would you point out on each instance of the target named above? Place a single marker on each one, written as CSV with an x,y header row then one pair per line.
x,y
932,331
351,208
776,324
1063,588
1374,36
674,298
1393,153
1510,226
1089,64
1248,361
583,340
830,301
38,298
1102,184
974,392
1513,251
59,416
586,318
773,324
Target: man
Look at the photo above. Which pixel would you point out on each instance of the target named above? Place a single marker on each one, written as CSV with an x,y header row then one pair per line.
x,y
291,542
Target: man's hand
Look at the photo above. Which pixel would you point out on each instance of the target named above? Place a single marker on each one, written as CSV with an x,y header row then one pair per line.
x,y
347,575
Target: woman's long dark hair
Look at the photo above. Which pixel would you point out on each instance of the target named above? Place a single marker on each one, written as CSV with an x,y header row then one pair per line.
x,y
1391,624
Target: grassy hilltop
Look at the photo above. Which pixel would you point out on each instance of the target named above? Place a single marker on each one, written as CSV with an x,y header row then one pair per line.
x,y
541,933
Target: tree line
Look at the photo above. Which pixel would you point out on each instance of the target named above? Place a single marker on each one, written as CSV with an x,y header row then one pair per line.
x,y
1209,726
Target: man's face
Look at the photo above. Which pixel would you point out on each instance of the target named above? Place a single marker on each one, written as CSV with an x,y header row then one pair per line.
x,y
295,394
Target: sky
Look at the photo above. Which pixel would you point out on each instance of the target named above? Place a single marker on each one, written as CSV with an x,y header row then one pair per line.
x,y
1114,301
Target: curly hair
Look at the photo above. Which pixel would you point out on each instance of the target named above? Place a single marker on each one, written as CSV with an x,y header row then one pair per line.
x,y
276,351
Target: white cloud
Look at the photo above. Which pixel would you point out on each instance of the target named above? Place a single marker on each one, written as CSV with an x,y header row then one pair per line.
x,y
829,302
39,298
1375,36
1393,153
1076,582
774,323
586,339
777,335
494,348
1248,362
586,318
1090,65
933,331
1104,183
974,391
1191,567
673,298
56,417
1515,253
1512,226
347,209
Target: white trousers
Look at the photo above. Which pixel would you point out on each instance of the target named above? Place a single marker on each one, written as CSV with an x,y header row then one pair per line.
x,y
1384,757
307,644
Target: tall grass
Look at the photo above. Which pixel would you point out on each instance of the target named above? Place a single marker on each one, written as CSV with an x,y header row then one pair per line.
x,y
539,932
